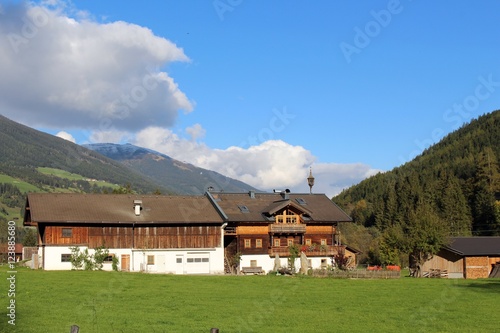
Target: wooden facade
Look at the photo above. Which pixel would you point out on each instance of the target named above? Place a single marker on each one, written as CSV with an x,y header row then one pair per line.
x,y
263,226
132,236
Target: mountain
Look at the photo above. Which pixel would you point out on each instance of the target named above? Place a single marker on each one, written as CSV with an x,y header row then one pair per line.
x,y
178,177
456,181
33,161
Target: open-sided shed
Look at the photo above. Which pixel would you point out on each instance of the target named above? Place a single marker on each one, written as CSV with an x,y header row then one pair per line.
x,y
466,257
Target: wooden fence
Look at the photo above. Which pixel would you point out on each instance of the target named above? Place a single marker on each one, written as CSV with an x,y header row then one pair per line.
x,y
358,274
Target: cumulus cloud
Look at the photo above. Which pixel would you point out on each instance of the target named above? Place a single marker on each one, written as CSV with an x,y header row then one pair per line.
x,y
66,136
272,164
62,69
59,71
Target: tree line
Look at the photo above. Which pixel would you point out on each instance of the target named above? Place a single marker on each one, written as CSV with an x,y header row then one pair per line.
x,y
451,189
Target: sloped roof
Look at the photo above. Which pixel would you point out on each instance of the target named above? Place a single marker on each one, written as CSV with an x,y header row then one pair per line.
x,y
119,208
475,246
318,206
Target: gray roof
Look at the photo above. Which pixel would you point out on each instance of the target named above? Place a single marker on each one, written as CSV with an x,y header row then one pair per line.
x,y
119,208
475,246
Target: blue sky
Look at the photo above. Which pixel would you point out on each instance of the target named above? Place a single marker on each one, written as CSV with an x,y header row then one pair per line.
x,y
259,91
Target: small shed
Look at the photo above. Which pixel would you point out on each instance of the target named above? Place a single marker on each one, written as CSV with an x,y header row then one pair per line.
x,y
466,257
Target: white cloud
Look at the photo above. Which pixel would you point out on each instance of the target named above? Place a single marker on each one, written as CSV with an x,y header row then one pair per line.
x,y
273,164
66,136
59,71
109,136
196,132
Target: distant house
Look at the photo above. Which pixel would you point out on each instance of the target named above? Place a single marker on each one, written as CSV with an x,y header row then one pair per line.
x,y
18,251
467,257
187,234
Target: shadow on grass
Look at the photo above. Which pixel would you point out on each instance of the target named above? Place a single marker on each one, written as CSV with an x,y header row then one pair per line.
x,y
489,285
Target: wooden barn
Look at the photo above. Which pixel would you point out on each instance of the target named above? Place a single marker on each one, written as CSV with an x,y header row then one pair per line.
x,y
466,257
261,226
163,234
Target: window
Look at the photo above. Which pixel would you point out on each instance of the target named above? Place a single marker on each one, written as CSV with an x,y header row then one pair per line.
x,y
301,201
65,257
67,232
291,219
277,242
289,241
253,263
323,242
308,241
248,243
194,260
324,263
179,260
243,209
258,242
151,260
109,258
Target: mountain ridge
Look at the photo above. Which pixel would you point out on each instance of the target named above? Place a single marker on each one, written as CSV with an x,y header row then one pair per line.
x,y
168,171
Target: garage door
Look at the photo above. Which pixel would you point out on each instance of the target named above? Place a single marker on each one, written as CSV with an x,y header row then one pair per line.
x,y
198,263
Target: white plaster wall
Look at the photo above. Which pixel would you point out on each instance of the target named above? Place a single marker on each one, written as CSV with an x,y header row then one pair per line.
x,y
52,258
267,263
138,259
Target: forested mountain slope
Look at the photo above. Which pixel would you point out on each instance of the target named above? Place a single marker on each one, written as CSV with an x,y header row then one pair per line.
x,y
456,181
25,151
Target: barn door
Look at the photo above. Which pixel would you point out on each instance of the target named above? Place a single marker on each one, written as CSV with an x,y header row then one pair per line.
x,y
125,262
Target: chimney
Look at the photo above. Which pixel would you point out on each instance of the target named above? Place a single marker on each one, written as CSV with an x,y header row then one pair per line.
x,y
251,194
285,193
137,207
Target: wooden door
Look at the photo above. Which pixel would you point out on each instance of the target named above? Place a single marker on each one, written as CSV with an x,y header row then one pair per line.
x,y
125,262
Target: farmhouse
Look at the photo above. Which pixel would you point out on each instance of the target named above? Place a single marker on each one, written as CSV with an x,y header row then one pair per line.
x,y
261,227
467,257
163,234
187,234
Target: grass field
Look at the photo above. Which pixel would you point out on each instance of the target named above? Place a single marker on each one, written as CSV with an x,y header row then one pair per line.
x,y
21,185
133,302
72,176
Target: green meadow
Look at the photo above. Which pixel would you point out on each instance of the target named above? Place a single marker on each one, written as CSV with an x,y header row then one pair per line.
x,y
72,176
50,301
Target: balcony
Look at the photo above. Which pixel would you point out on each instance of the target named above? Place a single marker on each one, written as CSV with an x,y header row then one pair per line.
x,y
229,231
283,228
310,251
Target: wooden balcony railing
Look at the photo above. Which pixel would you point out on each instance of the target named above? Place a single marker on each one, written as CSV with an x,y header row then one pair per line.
x,y
324,250
230,231
283,228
